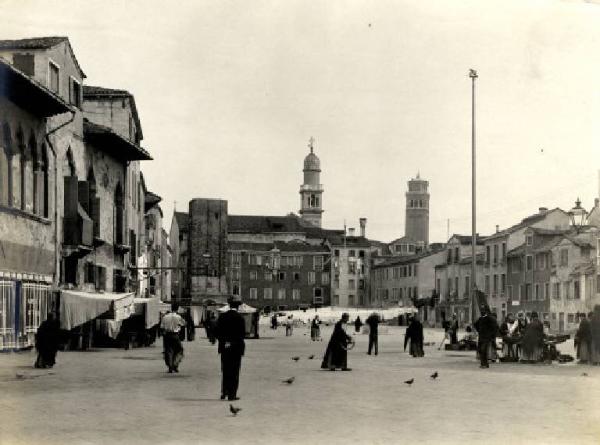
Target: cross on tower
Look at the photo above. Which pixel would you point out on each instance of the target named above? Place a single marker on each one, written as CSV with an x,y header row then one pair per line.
x,y
311,142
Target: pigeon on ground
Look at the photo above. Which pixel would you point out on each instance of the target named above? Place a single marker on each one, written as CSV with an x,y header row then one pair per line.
x,y
290,380
409,382
234,410
296,358
20,376
310,357
434,375
584,374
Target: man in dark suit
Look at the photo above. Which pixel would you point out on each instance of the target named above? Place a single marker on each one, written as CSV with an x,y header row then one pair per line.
x,y
231,330
487,328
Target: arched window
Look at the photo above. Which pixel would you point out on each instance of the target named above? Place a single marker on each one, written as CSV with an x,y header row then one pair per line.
x,y
19,168
94,205
6,166
44,194
118,215
69,165
33,181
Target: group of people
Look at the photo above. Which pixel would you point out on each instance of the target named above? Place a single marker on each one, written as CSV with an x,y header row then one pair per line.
x,y
587,338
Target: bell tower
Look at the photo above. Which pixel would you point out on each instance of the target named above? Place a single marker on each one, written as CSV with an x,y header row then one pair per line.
x,y
311,202
417,211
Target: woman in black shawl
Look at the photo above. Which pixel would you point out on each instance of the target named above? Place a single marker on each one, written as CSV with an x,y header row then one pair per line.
x,y
595,330
47,340
336,355
532,344
414,333
583,339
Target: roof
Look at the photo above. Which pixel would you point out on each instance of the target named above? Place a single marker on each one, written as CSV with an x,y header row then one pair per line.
x,y
150,200
40,43
183,221
95,92
467,239
265,224
28,94
291,246
527,221
113,143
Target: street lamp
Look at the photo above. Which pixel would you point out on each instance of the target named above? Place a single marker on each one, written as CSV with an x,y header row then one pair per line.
x,y
578,216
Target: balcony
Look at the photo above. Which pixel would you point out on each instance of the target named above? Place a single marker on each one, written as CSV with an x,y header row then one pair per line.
x,y
311,188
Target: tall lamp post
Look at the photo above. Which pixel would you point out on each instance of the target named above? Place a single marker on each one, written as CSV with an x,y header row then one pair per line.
x,y
578,215
473,76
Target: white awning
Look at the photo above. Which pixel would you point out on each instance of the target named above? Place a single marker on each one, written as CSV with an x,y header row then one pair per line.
x,y
149,308
78,307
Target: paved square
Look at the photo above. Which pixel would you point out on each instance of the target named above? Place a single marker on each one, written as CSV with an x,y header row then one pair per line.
x,y
112,396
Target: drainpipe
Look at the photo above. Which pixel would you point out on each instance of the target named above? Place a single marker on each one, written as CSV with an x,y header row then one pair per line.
x,y
54,154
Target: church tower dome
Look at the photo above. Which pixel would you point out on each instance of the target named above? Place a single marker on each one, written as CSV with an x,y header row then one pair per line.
x,y
312,190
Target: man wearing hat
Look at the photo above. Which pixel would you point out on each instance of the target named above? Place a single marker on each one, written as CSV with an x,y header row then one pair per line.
x,y
231,331
487,328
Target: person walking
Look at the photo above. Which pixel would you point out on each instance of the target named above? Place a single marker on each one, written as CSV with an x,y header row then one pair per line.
x,y
231,331
289,326
373,323
274,321
315,329
414,334
583,339
171,323
487,328
336,355
453,330
357,324
47,340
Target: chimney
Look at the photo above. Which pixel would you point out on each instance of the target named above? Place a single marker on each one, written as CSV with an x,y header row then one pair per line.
x,y
351,231
596,202
497,228
363,226
543,209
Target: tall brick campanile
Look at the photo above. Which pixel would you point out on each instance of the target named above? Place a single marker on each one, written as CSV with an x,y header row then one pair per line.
x,y
208,249
311,202
417,211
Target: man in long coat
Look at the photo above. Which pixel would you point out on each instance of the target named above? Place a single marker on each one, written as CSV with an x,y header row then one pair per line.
x,y
487,328
231,331
47,340
414,333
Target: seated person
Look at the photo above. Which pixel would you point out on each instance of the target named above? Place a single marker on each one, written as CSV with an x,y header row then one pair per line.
x,y
469,340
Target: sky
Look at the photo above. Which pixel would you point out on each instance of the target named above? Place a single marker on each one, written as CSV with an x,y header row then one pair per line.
x,y
229,93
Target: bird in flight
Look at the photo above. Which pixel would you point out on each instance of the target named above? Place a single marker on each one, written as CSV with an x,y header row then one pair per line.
x,y
409,382
290,380
234,410
434,375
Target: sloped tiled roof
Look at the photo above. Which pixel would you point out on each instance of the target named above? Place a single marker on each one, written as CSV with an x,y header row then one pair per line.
x,y
114,143
527,221
39,43
264,224
91,92
466,239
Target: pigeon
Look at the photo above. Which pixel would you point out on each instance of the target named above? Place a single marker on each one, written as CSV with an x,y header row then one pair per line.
x,y
290,380
584,374
409,382
434,375
296,358
234,410
310,357
20,376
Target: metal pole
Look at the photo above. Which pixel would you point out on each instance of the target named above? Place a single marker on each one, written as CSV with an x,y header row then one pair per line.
x,y
473,76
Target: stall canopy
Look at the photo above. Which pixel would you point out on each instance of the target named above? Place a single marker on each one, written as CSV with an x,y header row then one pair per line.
x,y
78,307
149,308
243,309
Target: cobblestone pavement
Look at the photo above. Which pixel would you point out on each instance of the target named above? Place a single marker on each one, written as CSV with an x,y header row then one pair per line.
x,y
113,396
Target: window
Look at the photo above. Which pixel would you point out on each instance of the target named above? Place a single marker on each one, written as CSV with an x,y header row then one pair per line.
x,y
576,292
324,278
351,253
100,278
487,284
336,300
53,77
90,273
75,93
268,293
236,259
252,260
318,262
556,291
253,275
571,318
351,300
235,274
296,276
503,252
298,261
567,289
495,253
352,269
336,253
509,290
528,294
456,255
6,162
352,284
495,284
564,257
281,276
546,290
502,283
529,262
529,240
467,284
540,261
295,294
281,294
361,253
253,293
415,270
487,254
537,295
268,276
